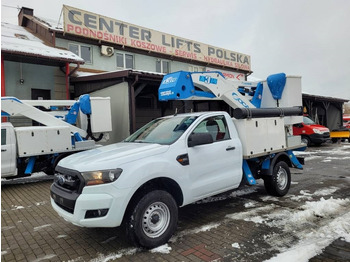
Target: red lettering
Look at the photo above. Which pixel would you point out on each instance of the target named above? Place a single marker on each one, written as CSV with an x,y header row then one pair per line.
x,y
185,54
86,32
70,28
77,30
147,46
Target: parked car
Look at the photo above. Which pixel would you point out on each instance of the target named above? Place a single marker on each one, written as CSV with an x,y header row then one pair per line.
x,y
310,132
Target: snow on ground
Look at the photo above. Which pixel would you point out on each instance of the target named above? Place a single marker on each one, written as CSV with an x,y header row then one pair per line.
x,y
313,243
34,177
112,256
250,204
41,227
164,249
236,245
331,214
44,258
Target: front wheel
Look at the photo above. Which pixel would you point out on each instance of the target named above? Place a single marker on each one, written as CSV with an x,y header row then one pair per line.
x,y
278,183
306,140
153,219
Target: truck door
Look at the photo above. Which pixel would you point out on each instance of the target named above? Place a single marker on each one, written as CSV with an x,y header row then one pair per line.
x,y
217,166
7,156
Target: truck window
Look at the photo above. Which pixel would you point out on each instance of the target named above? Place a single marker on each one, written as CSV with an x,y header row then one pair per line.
x,y
3,136
164,131
216,126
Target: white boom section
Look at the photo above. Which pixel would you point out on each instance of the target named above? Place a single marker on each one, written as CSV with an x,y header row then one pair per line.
x,y
222,89
13,106
49,103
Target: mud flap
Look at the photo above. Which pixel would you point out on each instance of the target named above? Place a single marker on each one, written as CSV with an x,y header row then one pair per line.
x,y
30,165
294,159
248,173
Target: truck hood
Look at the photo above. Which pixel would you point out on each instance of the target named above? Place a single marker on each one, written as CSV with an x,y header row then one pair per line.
x,y
111,156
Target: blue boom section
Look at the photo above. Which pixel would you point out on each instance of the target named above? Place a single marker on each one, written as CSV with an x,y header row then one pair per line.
x,y
179,86
83,104
276,84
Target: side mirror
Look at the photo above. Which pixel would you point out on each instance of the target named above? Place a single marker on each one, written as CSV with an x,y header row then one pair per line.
x,y
198,139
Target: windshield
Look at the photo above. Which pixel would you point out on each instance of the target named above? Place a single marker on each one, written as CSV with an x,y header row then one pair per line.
x,y
308,121
164,131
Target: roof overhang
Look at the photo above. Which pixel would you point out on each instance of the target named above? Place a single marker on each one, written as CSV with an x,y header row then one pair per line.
x,y
142,76
324,98
35,59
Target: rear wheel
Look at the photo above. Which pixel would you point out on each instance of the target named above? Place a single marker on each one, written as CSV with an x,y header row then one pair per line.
x,y
153,219
278,183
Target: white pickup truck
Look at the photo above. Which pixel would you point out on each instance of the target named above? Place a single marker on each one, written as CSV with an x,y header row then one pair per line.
x,y
169,163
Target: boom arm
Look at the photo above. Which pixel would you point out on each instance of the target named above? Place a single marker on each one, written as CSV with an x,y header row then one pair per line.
x,y
11,106
206,85
244,97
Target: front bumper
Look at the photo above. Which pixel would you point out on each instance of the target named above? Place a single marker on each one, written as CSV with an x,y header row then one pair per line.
x,y
319,138
104,197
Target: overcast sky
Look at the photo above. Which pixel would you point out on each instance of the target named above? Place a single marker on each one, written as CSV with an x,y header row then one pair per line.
x,y
310,38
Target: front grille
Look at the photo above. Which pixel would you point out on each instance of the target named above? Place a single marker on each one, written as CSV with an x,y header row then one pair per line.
x,y
68,179
67,187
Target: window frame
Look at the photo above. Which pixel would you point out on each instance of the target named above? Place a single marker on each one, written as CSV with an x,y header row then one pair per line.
x,y
222,129
124,55
79,51
161,61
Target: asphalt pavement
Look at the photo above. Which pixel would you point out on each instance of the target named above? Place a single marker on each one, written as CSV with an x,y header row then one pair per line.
x,y
242,225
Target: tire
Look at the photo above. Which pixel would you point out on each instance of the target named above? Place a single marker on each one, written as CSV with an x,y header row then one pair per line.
x,y
278,183
153,219
306,140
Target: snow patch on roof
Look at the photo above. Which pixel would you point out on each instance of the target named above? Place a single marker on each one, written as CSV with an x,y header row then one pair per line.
x,y
50,23
17,39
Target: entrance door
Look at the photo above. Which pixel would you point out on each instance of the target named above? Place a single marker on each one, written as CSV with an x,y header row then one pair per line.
x,y
41,94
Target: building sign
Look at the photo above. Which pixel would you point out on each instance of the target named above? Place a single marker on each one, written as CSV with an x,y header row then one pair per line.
x,y
228,74
90,25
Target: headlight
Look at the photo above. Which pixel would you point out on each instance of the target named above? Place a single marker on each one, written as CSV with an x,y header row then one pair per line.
x,y
317,131
101,176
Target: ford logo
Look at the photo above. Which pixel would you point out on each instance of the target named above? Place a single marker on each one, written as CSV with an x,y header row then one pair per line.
x,y
61,180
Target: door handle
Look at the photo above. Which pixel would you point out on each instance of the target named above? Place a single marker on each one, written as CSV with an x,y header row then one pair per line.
x,y
3,150
230,148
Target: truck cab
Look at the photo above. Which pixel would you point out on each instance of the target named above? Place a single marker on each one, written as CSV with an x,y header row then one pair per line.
x,y
310,132
8,150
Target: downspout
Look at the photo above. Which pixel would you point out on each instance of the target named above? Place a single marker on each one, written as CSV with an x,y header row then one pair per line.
x,y
132,106
68,74
67,81
3,90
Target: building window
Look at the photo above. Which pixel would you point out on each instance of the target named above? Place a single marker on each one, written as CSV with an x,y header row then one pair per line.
x,y
196,69
162,66
125,60
84,51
